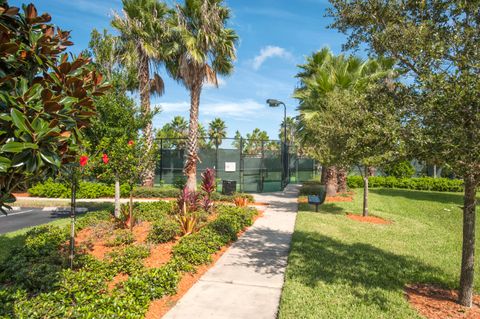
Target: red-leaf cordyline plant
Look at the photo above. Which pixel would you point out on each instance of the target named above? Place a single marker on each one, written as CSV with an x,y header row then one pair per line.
x,y
187,201
208,186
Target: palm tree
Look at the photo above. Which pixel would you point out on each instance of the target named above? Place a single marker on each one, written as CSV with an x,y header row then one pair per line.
x,y
145,38
325,74
217,131
206,48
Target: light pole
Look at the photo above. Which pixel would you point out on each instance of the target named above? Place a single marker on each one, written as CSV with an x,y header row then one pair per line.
x,y
276,103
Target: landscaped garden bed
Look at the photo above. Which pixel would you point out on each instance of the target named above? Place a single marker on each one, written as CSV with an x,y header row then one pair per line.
x,y
118,272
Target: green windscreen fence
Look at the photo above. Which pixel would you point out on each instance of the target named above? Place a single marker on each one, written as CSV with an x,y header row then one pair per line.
x,y
255,166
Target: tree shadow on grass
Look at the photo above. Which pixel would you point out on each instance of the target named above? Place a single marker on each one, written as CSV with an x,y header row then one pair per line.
x,y
440,197
326,208
366,269
7,244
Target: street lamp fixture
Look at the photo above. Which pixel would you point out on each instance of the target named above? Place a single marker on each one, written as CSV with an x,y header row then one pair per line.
x,y
276,103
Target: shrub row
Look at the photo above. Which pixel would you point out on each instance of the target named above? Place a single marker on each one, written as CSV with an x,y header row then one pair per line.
x,y
53,189
417,183
197,249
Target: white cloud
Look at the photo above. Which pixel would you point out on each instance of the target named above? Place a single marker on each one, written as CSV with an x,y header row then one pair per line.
x,y
242,109
270,52
237,109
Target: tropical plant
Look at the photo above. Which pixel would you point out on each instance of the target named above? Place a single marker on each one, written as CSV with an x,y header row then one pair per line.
x,y
188,224
209,185
217,131
437,43
240,201
145,41
46,99
207,48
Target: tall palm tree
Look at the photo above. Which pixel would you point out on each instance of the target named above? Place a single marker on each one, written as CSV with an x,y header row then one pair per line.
x,y
146,44
323,74
207,48
217,131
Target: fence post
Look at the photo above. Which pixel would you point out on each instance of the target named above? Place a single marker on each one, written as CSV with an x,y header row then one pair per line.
x,y
161,160
240,171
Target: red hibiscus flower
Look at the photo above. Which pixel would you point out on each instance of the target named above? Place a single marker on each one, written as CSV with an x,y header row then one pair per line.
x,y
105,158
83,160
130,143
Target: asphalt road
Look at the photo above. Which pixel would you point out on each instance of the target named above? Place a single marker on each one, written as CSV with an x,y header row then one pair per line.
x,y
27,217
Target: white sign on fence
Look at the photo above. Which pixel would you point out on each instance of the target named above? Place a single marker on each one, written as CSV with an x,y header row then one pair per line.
x,y
230,166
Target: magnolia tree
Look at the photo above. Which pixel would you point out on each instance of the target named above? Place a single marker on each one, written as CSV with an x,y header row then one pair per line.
x,y
437,42
46,98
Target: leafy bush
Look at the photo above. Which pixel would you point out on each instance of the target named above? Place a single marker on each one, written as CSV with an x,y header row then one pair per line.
x,y
120,237
163,231
402,169
153,211
420,183
155,192
93,218
180,182
53,189
129,259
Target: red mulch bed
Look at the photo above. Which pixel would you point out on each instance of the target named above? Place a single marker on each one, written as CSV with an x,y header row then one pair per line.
x,y
21,194
436,303
368,219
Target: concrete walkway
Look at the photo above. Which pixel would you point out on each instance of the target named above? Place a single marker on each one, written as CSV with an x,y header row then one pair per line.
x,y
246,282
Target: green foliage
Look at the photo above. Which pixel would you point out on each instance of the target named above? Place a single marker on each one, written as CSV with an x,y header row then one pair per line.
x,y
402,169
419,183
35,282
120,237
129,259
164,230
46,98
179,182
156,192
53,189
154,211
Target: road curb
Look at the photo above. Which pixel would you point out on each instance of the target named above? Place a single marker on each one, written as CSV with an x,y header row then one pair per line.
x,y
52,209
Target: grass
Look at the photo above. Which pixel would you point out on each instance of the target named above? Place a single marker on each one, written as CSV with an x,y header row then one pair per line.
x,y
340,268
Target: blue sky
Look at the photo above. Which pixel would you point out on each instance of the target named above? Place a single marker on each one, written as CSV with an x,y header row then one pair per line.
x,y
275,36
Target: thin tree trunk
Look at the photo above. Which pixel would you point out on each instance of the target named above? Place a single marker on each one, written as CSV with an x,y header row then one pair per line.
x,y
324,175
342,180
144,87
372,171
365,193
192,155
117,198
131,209
331,181
468,247
73,209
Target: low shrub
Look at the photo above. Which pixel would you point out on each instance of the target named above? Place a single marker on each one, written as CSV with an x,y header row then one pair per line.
x,y
416,183
120,237
129,259
155,192
163,231
53,189
154,211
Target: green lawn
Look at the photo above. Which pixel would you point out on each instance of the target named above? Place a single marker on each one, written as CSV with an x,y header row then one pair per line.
x,y
340,268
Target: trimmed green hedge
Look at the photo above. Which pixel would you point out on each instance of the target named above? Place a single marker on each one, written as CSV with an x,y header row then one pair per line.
x,y
51,189
417,183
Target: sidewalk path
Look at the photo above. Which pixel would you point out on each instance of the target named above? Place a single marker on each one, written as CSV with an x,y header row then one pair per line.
x,y
246,282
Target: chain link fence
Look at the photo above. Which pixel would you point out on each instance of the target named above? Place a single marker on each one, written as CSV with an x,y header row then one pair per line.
x,y
255,165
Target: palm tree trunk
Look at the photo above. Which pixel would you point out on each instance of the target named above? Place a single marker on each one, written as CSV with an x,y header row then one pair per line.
x,y
144,87
342,180
365,193
117,198
192,155
468,247
331,181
